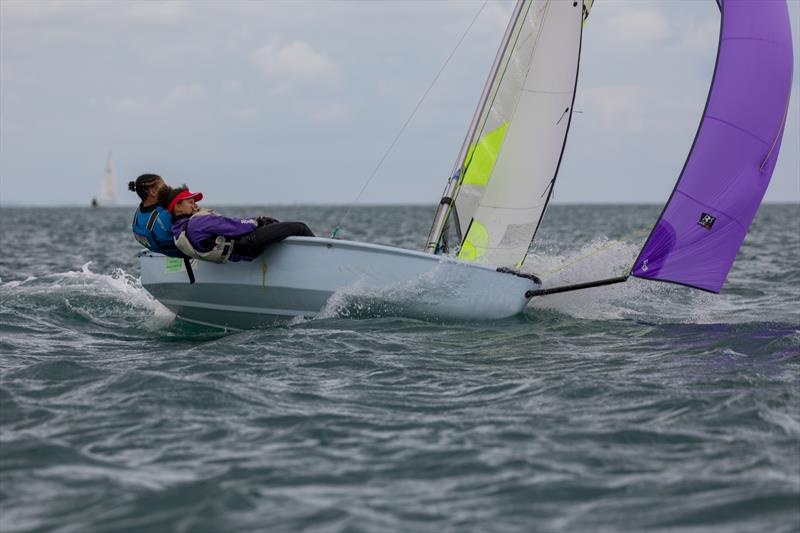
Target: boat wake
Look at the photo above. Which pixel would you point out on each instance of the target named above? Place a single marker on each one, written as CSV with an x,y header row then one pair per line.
x,y
110,300
118,301
597,259
638,299
425,297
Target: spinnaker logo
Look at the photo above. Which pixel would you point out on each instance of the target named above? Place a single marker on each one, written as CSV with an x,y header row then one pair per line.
x,y
707,221
644,265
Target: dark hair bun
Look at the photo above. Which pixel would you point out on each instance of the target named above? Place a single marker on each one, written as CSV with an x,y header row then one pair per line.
x,y
132,186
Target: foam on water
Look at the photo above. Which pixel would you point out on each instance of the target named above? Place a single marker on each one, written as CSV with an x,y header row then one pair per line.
x,y
108,299
635,299
104,299
362,299
600,258
446,292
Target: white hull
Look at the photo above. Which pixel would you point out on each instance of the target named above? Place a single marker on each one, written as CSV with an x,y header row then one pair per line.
x,y
299,277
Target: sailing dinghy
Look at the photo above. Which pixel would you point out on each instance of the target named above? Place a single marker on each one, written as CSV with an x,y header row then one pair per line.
x,y
501,182
503,179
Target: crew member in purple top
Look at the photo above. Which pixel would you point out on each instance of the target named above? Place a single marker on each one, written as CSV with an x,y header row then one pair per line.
x,y
204,234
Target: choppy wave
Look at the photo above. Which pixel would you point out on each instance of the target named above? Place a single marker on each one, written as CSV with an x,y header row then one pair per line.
x,y
648,300
111,300
638,406
437,294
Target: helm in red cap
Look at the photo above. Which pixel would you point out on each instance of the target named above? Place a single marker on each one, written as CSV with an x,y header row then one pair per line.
x,y
184,195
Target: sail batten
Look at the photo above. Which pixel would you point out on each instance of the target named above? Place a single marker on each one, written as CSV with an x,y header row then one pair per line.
x,y
734,126
726,174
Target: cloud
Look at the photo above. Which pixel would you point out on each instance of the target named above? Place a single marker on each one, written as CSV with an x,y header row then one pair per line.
x,y
636,25
127,105
635,108
329,112
701,37
157,10
180,98
183,97
231,85
619,106
297,61
497,16
248,113
493,18
32,10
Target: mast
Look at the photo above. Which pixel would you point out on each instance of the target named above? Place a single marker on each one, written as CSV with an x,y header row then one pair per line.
x,y
456,174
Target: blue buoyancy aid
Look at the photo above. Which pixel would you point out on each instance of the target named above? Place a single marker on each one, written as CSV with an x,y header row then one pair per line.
x,y
152,227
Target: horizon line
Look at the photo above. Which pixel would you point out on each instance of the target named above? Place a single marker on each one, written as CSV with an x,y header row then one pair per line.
x,y
343,204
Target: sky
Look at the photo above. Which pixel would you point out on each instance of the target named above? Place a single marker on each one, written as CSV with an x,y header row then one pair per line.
x,y
268,102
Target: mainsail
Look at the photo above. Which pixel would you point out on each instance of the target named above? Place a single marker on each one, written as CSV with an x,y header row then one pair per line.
x,y
508,165
726,174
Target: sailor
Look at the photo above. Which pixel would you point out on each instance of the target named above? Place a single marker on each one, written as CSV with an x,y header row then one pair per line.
x,y
152,224
204,234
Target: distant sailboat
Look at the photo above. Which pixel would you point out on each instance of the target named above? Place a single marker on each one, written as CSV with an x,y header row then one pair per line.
x,y
108,187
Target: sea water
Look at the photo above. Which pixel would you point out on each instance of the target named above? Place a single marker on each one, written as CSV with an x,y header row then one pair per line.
x,y
640,406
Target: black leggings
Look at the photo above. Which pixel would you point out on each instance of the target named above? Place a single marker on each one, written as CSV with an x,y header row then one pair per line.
x,y
252,244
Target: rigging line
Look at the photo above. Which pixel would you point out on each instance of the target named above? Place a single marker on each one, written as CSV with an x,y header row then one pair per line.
x,y
408,120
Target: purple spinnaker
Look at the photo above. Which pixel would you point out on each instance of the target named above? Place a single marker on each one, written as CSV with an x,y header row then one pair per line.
x,y
704,223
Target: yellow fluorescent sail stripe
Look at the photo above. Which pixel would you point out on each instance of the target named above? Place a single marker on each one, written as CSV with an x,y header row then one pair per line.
x,y
474,247
481,159
587,6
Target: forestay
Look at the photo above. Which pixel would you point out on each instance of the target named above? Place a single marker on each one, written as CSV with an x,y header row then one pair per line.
x,y
703,225
513,158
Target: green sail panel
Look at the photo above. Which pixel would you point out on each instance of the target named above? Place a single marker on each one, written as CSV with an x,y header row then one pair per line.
x,y
481,157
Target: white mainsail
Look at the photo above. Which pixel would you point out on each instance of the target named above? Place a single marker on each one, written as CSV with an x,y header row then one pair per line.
x,y
513,156
108,185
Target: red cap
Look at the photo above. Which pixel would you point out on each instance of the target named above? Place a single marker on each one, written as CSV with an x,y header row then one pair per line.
x,y
183,195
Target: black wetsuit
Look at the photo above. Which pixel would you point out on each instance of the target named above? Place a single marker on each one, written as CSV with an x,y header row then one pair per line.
x,y
252,244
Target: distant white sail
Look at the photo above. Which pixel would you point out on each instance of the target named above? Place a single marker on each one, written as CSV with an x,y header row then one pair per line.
x,y
108,185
